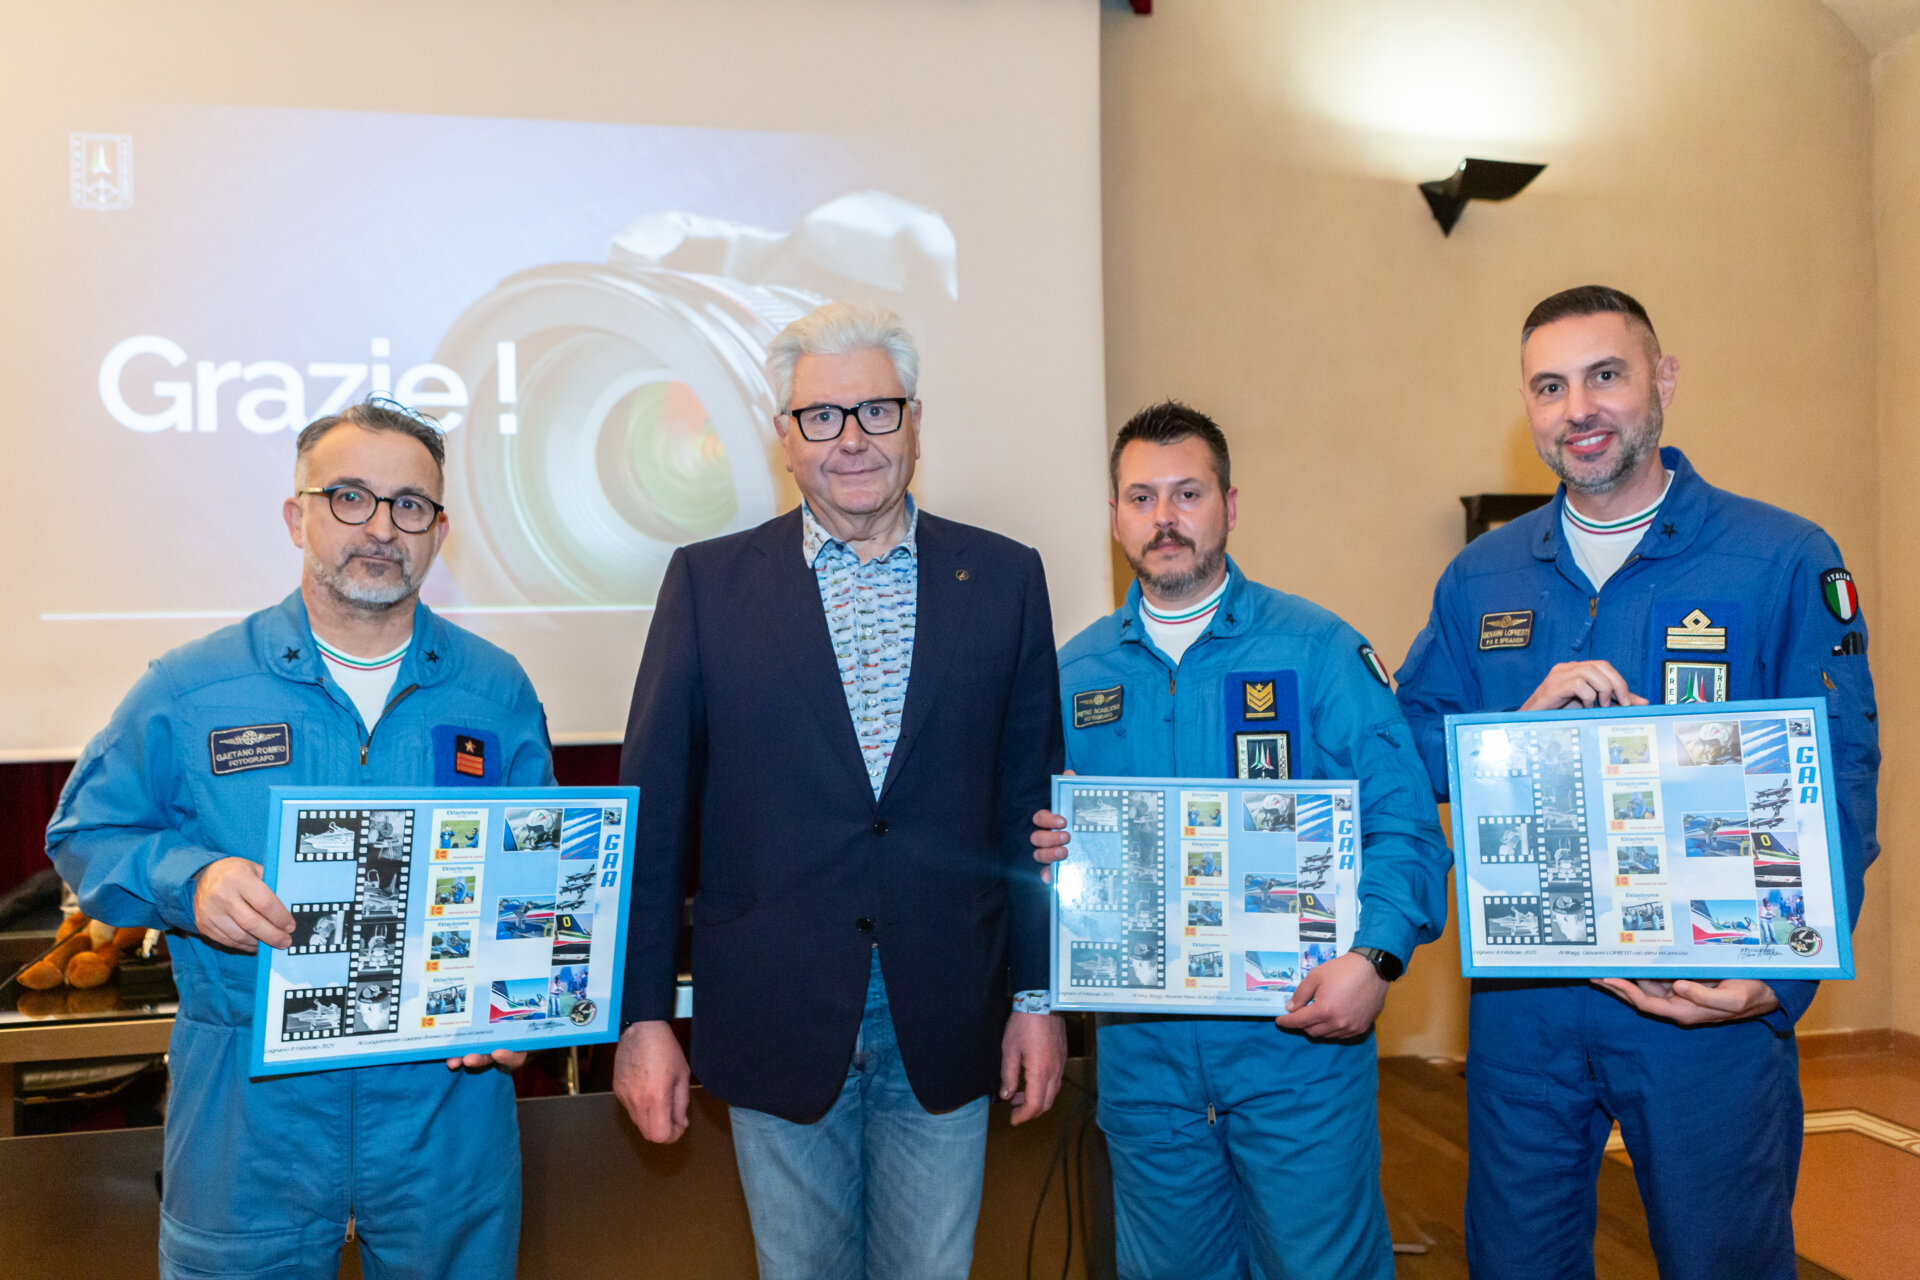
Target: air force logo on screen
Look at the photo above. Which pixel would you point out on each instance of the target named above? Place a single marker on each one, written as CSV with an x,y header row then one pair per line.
x,y
100,170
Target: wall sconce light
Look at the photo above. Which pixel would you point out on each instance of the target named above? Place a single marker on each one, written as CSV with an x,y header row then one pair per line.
x,y
1475,180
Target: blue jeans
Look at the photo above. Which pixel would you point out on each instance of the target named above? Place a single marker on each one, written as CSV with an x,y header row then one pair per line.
x,y
878,1188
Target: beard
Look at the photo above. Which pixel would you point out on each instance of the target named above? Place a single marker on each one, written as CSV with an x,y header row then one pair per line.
x,y
1178,584
1637,439
369,597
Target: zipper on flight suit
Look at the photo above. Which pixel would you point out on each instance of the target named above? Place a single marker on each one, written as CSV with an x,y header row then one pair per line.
x,y
368,744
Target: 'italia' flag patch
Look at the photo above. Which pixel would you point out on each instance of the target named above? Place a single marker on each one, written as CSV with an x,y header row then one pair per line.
x,y
1841,596
1377,667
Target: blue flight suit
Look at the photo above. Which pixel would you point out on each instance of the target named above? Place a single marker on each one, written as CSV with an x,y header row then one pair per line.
x,y
1711,1115
261,1177
1239,1149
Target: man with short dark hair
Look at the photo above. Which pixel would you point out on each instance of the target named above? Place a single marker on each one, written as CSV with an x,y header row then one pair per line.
x,y
849,713
1237,1145
1639,582
350,681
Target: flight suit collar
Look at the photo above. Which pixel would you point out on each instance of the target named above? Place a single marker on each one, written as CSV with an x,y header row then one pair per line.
x,y
284,644
1230,619
1675,526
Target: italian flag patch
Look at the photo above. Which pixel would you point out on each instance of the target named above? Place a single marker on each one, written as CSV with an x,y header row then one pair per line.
x,y
1377,667
1841,596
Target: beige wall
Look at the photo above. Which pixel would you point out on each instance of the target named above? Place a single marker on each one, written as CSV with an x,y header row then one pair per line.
x,y
1269,259
1896,138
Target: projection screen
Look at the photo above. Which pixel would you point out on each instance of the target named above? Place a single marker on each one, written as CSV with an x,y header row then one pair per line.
x,y
566,231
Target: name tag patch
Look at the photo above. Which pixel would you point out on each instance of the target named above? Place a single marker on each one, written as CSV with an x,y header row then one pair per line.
x,y
253,746
1510,630
1098,706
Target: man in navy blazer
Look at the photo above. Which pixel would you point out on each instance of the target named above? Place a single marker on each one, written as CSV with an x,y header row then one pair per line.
x,y
846,715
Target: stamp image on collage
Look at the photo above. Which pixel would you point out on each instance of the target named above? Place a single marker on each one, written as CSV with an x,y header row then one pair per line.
x,y
1569,913
326,835
383,890
572,936
517,918
1776,861
1206,961
1096,810
445,999
1716,835
580,835
567,995
454,892
1268,895
1511,919
518,999
376,948
1273,970
1644,913
1707,742
1316,918
1093,964
313,1013
319,927
1767,806
1508,839
1267,810
450,945
532,830
1494,756
574,890
376,1006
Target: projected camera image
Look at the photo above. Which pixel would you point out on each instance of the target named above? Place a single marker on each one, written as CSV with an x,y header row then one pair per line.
x,y
621,410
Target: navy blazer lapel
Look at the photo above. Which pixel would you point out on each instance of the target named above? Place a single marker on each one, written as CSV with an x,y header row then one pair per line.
x,y
798,622
938,611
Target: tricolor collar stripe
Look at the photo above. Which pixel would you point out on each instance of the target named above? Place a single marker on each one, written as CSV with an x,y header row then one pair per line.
x,y
362,664
1192,615
1627,525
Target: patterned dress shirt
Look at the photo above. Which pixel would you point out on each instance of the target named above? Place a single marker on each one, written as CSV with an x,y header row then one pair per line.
x,y
871,609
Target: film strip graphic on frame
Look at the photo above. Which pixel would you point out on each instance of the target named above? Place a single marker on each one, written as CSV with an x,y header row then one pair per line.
x,y
1510,920
1135,896
378,931
313,1013
320,928
1563,854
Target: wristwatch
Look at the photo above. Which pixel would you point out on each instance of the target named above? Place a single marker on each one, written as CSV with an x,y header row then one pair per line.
x,y
1384,963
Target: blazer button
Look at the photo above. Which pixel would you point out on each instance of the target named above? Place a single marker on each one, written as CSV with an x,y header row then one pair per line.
x,y
864,924
879,826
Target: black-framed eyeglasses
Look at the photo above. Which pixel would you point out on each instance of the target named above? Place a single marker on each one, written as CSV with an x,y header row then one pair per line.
x,y
823,422
352,504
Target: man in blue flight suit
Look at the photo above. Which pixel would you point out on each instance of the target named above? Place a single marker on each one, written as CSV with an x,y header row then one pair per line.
x,y
1639,581
163,823
1239,1148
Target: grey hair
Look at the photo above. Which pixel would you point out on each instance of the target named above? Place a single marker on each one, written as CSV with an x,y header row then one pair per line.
x,y
838,329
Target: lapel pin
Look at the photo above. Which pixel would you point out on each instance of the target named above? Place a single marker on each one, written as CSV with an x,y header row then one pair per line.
x,y
960,574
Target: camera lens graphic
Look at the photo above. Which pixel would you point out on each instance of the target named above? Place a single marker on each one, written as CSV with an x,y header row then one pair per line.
x,y
616,412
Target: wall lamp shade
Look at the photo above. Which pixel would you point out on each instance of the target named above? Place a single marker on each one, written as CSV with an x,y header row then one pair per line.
x,y
1475,180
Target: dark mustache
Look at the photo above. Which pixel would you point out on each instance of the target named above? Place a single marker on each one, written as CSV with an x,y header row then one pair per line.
x,y
1171,539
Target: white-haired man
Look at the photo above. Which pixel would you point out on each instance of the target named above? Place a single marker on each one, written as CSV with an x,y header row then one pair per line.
x,y
849,712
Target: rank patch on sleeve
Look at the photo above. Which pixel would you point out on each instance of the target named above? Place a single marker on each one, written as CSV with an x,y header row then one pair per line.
x,y
253,746
1098,706
1258,698
1839,594
470,756
1510,630
1379,668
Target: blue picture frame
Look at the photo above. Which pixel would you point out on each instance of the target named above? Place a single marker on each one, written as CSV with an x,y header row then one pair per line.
x,y
449,854
1825,906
